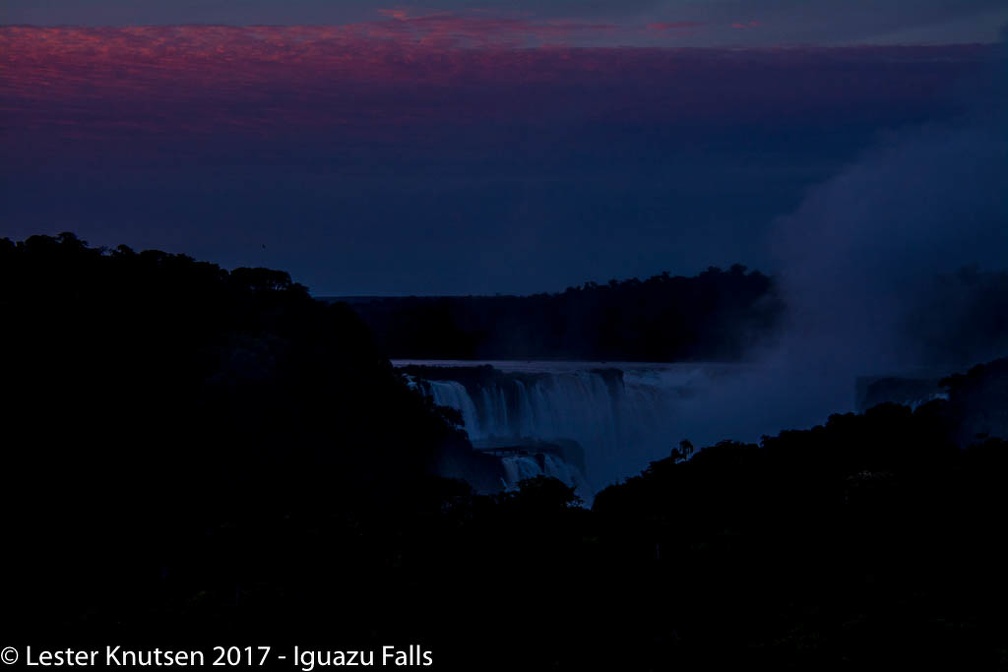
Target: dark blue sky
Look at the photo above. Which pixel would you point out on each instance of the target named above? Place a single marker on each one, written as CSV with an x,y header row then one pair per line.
x,y
460,151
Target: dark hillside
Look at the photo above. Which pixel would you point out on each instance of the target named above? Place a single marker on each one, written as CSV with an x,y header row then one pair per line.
x,y
161,410
195,457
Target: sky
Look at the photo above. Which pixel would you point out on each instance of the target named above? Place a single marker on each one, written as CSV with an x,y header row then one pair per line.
x,y
495,147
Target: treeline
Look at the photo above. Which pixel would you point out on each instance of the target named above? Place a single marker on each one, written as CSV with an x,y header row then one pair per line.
x,y
177,353
716,315
872,540
157,406
195,457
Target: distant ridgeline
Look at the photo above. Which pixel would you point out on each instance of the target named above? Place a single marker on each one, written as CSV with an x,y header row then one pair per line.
x,y
714,316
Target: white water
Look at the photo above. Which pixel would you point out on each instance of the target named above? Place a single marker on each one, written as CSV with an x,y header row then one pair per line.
x,y
621,422
520,467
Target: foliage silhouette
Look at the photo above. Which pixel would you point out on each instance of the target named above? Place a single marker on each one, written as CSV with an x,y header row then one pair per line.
x,y
716,315
211,456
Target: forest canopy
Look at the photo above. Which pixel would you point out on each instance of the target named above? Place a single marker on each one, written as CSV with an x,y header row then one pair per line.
x,y
716,315
207,453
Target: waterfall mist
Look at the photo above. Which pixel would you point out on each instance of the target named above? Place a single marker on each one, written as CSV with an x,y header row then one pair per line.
x,y
858,263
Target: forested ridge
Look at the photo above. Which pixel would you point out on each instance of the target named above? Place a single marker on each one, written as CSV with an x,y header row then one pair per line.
x,y
196,456
716,315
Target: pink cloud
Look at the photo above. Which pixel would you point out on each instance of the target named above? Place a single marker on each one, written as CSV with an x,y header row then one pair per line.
x,y
391,78
481,29
401,14
674,26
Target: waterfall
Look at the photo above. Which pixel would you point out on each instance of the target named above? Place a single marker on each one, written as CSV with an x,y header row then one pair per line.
x,y
454,395
620,416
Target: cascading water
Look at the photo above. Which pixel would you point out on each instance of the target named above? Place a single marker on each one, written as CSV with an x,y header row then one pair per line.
x,y
546,406
453,394
519,467
621,416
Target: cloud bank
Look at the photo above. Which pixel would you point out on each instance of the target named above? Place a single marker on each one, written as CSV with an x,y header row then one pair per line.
x,y
858,262
377,81
390,164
